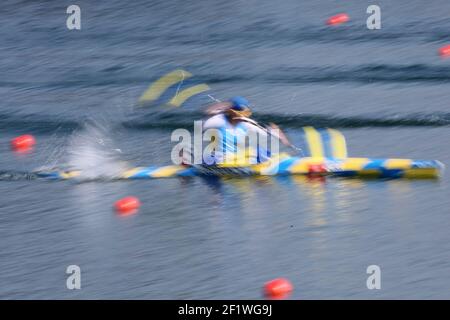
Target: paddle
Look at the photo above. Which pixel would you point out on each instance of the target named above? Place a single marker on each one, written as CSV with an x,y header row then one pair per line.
x,y
321,143
281,135
159,87
325,143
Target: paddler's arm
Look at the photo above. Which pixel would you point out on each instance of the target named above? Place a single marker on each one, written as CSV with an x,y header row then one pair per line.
x,y
276,131
217,108
272,129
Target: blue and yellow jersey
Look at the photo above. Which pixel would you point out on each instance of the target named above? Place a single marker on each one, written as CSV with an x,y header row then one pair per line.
x,y
240,144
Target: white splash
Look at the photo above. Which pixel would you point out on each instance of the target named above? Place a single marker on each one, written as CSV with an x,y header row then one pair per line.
x,y
92,152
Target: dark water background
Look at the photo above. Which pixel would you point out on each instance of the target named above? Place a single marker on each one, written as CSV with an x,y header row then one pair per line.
x,y
387,90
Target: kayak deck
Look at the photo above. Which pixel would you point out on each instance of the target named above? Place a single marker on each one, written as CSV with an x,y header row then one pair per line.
x,y
348,167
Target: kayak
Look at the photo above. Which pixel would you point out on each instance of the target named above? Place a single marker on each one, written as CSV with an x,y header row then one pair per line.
x,y
285,166
324,153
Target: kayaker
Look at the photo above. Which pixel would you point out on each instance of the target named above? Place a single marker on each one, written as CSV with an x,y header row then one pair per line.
x,y
232,119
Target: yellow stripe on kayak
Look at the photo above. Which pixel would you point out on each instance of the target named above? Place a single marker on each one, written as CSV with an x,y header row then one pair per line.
x,y
162,84
398,164
70,174
338,144
302,165
314,141
182,96
167,171
129,173
421,173
354,164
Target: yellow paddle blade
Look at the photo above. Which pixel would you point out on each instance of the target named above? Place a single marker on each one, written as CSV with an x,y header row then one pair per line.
x,y
182,96
325,143
314,141
338,144
158,87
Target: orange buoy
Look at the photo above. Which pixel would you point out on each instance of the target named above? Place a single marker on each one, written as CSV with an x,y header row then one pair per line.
x,y
23,143
444,51
127,205
278,288
338,19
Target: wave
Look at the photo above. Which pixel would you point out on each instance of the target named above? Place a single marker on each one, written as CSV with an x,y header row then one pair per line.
x,y
362,74
370,73
37,124
185,119
12,175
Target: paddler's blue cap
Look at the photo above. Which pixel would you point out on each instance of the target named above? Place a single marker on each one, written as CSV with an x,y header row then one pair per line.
x,y
239,103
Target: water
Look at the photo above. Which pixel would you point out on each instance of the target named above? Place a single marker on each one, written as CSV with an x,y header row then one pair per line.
x,y
387,90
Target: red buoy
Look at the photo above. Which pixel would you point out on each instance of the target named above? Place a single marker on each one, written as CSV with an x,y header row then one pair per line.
x,y
338,19
127,205
444,51
278,288
23,143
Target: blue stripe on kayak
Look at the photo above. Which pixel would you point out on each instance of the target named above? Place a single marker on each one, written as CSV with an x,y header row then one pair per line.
x,y
51,175
188,172
392,173
375,164
144,173
348,173
284,165
425,164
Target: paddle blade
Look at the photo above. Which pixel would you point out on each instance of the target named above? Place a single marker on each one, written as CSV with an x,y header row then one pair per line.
x,y
183,95
158,87
338,144
328,143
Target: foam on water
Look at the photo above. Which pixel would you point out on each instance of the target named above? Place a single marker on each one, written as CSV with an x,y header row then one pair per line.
x,y
92,151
